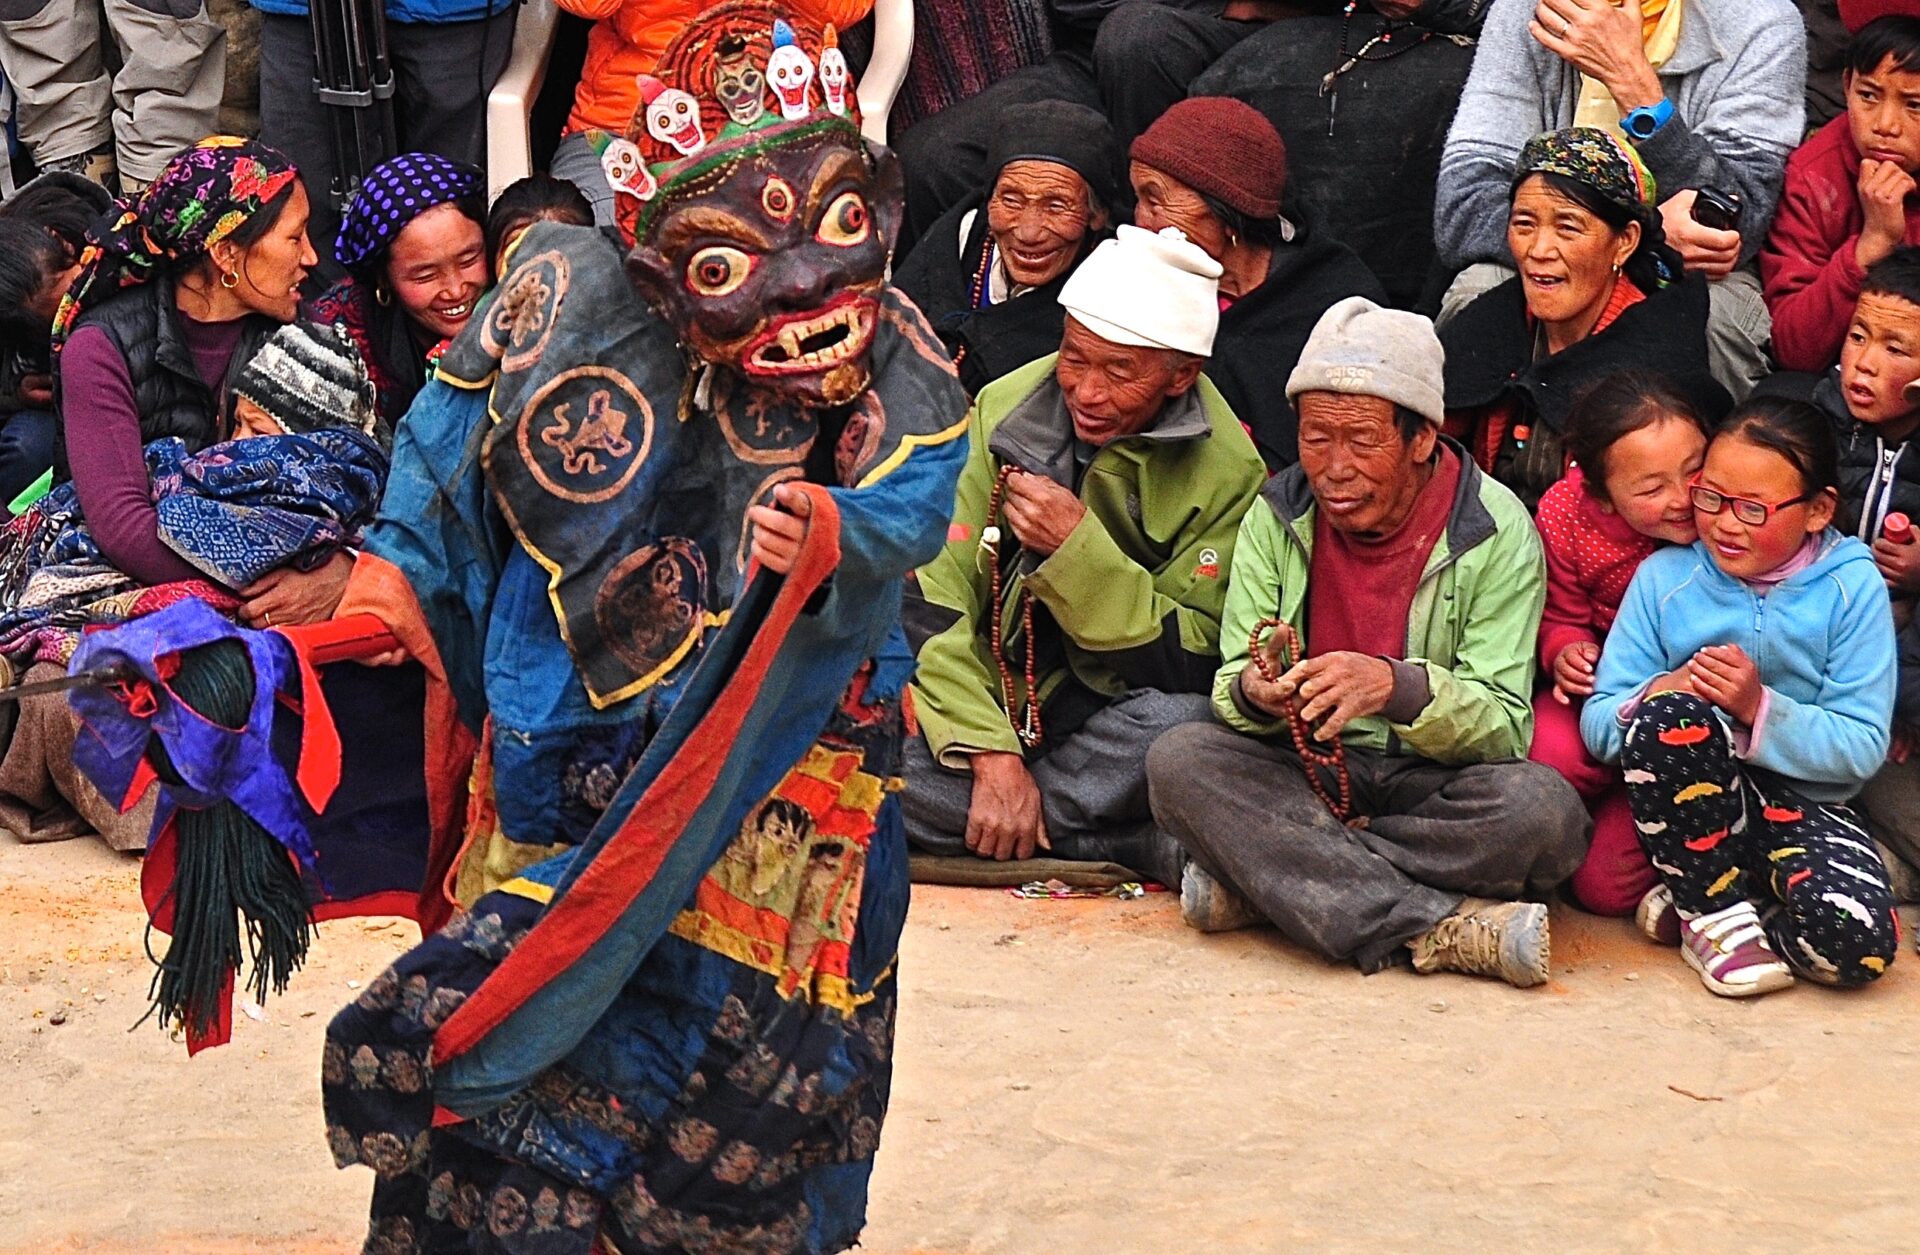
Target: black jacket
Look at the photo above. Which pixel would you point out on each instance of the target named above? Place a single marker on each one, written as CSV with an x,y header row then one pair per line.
x,y
1876,477
173,400
1490,362
1262,333
986,343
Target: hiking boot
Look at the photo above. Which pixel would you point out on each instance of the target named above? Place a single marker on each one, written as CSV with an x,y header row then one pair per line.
x,y
1657,916
1508,940
1730,951
97,165
1211,907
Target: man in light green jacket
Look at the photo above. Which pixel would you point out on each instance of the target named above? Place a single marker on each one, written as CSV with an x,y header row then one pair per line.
x,y
1415,584
1102,495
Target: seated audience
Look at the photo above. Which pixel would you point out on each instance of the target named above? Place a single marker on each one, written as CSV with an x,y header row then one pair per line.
x,y
1746,690
1636,444
246,516
186,287
1074,614
988,274
523,202
1414,583
1216,169
43,228
1849,200
1709,92
626,42
414,246
1132,59
1597,292
1363,135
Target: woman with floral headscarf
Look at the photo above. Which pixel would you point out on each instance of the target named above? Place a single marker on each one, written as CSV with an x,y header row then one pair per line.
x,y
414,245
1598,292
174,297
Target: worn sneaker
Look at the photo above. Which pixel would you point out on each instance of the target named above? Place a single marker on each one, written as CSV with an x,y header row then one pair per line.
x,y
1508,940
1657,916
1210,906
1731,952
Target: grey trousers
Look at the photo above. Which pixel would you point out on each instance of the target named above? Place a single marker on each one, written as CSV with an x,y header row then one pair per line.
x,y
1093,789
165,98
576,162
1739,328
1435,834
442,73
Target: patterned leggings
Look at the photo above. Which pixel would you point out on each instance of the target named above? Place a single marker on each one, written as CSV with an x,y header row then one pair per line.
x,y
1718,832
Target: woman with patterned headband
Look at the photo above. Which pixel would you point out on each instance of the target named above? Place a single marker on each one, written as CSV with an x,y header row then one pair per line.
x,y
1598,292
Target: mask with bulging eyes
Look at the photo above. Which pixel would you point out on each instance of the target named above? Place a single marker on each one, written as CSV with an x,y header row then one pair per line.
x,y
740,85
774,271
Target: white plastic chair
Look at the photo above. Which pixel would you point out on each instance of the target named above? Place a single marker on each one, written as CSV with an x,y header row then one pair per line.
x,y
510,104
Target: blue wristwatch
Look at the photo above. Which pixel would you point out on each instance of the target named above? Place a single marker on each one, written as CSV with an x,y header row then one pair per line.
x,y
1645,122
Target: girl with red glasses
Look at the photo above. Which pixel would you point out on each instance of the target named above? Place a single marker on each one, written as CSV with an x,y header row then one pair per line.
x,y
1747,692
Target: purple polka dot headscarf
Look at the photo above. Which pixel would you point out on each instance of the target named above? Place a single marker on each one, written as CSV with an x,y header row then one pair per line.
x,y
394,194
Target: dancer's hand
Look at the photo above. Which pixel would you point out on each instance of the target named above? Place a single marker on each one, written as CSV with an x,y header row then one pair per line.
x,y
1335,689
1004,820
1573,671
779,529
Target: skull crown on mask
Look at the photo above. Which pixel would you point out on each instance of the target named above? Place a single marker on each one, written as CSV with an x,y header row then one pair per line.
x,y
774,270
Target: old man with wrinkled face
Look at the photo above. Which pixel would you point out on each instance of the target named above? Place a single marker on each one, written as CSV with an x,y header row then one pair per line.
x,y
1074,615
988,274
1412,584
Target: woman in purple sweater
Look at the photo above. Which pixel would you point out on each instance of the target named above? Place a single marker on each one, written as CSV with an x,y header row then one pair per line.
x,y
171,303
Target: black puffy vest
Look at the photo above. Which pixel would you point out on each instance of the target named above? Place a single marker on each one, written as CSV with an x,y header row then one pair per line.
x,y
172,398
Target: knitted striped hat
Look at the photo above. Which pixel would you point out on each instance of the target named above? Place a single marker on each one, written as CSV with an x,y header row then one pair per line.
x,y
310,376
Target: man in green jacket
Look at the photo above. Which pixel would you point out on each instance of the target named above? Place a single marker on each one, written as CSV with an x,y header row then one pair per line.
x,y
1415,583
1074,615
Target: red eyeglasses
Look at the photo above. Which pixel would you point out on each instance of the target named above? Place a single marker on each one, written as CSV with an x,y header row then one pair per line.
x,y
1746,509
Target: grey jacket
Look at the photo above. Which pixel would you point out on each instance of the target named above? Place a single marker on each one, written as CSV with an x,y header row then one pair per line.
x,y
1736,79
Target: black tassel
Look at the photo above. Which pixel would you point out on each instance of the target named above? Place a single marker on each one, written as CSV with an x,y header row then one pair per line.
x,y
229,872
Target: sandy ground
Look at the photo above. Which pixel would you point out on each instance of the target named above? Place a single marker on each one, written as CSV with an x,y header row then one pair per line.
x,y
1080,1076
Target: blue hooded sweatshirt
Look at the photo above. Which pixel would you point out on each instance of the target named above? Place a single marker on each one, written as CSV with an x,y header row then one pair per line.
x,y
1823,640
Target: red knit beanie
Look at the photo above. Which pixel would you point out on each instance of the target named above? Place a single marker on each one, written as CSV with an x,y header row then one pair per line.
x,y
1857,13
1220,147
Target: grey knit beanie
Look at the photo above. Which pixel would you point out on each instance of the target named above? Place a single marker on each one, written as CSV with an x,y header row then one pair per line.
x,y
1359,348
309,376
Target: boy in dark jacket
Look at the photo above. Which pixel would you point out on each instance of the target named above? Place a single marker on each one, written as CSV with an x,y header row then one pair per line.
x,y
1873,397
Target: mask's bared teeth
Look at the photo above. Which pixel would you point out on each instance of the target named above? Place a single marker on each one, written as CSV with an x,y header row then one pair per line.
x,y
790,341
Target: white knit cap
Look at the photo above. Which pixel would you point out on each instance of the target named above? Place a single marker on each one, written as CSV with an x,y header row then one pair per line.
x,y
1153,290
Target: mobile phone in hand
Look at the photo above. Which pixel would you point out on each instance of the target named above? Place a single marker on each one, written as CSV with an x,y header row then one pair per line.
x,y
1717,209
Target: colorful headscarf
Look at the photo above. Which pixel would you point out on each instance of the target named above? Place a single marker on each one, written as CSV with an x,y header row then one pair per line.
x,y
1599,159
394,194
204,195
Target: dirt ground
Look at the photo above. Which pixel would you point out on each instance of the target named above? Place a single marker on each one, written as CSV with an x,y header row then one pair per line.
x,y
1078,1076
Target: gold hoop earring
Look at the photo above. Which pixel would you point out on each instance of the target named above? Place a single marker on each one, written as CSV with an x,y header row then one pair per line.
x,y
230,280
381,296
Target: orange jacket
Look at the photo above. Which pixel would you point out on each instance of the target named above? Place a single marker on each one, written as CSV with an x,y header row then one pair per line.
x,y
628,37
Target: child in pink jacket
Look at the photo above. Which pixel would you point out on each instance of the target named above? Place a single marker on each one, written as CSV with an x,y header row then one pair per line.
x,y
1636,442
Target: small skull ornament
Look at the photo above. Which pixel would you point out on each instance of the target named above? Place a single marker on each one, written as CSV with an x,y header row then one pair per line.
x,y
790,71
834,74
739,82
673,116
627,170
